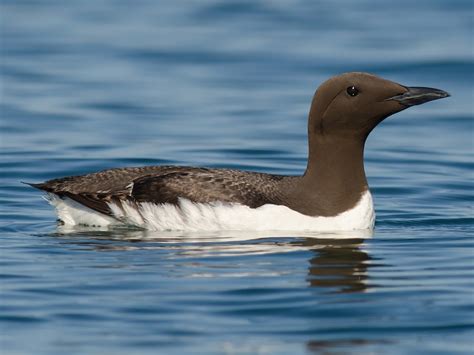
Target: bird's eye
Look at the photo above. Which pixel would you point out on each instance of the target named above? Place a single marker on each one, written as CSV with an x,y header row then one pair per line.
x,y
352,91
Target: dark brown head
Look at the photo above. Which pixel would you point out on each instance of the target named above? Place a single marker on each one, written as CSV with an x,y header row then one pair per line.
x,y
352,104
345,109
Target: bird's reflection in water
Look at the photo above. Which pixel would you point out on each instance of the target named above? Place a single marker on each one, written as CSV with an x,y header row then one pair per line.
x,y
337,263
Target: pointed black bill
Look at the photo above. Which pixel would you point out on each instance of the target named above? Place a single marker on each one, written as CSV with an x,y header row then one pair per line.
x,y
419,95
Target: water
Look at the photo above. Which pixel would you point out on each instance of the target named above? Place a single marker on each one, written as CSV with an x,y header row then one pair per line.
x,y
97,84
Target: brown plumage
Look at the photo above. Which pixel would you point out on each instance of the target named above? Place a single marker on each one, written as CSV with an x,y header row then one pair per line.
x,y
166,184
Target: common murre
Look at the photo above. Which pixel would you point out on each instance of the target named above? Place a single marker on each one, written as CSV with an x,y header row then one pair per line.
x,y
332,194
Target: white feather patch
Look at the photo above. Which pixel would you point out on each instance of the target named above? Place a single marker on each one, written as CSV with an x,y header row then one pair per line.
x,y
190,216
73,213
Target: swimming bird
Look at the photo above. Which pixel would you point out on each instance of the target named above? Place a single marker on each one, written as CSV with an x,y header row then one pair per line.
x,y
331,195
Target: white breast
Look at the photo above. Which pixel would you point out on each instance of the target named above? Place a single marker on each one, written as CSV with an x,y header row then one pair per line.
x,y
189,216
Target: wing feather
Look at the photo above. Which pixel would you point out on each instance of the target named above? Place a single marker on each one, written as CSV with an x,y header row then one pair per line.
x,y
165,184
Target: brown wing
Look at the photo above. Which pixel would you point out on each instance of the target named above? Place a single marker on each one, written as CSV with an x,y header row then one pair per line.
x,y
165,184
205,186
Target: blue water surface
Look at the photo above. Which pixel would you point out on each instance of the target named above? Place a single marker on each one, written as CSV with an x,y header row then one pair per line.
x,y
94,84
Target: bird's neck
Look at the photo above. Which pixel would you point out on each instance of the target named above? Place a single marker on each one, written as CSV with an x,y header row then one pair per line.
x,y
335,173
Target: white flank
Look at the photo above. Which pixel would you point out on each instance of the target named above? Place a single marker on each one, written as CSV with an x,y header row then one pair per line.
x,y
189,216
73,213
